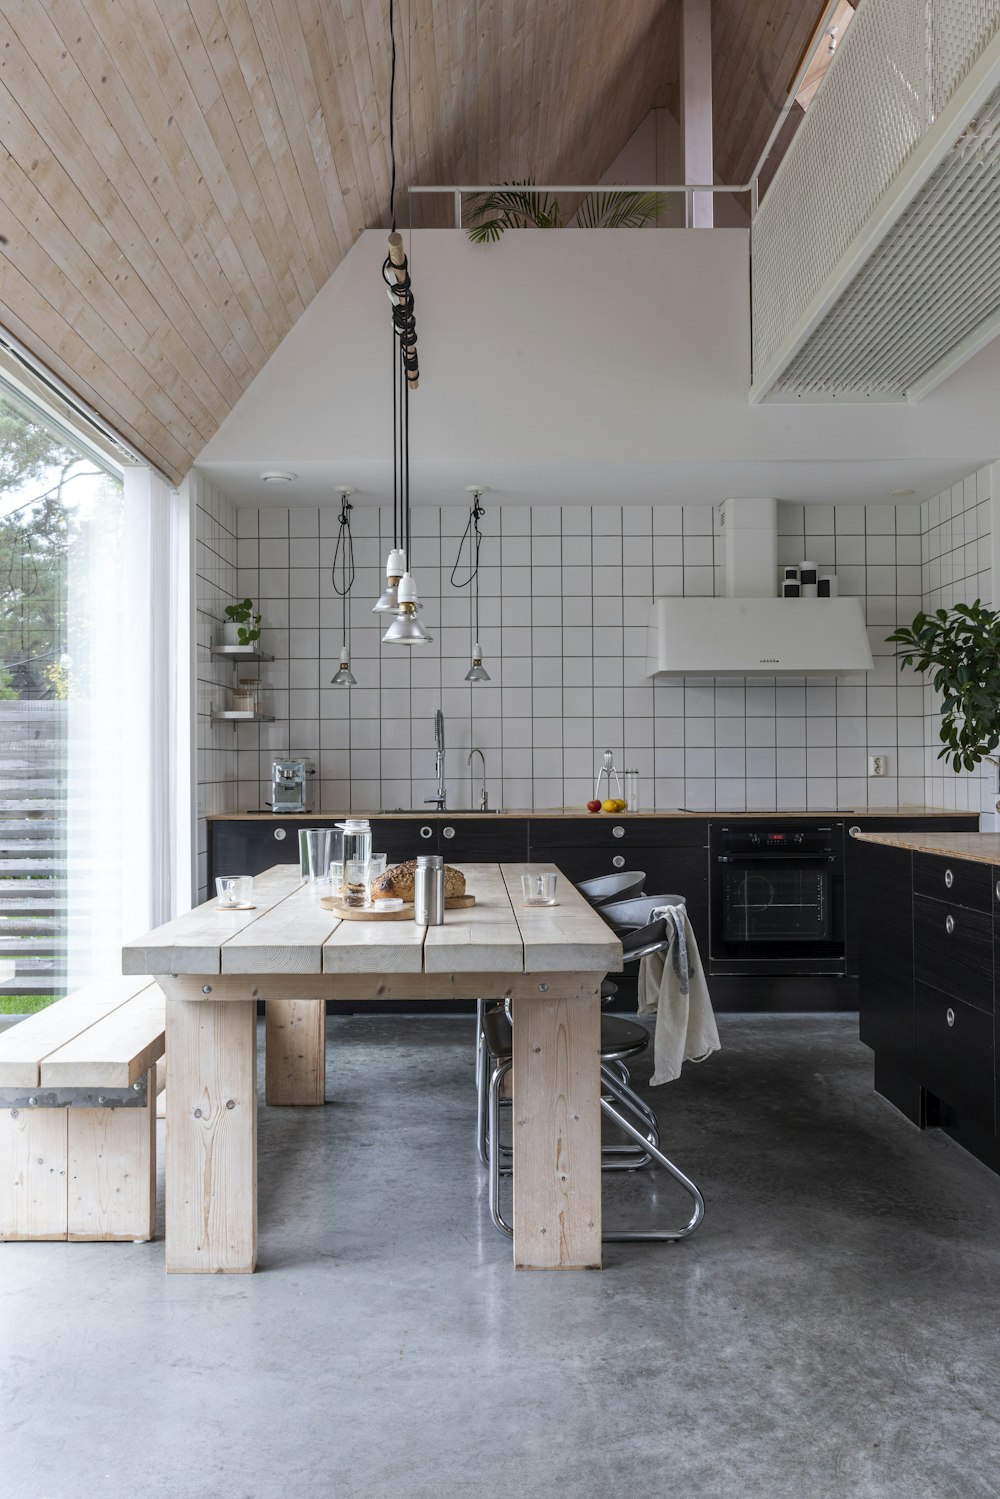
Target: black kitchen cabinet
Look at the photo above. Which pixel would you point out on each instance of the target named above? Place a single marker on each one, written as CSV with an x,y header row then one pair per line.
x,y
928,988
483,840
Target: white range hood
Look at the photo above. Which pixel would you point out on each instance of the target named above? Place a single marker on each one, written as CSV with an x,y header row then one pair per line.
x,y
754,633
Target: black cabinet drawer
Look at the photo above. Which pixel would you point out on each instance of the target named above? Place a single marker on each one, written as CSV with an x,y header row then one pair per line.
x,y
250,847
883,898
954,1054
953,950
959,881
484,840
600,830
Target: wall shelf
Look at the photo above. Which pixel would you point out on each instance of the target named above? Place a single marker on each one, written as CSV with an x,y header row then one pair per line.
x,y
239,653
236,715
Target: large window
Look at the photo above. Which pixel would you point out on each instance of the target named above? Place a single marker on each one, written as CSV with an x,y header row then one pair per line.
x,y
62,701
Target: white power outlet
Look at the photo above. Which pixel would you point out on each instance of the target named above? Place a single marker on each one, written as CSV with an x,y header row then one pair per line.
x,y
878,765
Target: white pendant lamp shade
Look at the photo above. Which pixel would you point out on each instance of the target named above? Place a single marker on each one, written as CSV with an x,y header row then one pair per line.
x,y
345,676
477,671
406,629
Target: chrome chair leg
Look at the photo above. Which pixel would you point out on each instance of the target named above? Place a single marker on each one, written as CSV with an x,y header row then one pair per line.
x,y
500,1071
653,1234
482,1085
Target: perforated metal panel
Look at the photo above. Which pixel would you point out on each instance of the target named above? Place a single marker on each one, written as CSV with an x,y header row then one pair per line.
x,y
932,281
898,66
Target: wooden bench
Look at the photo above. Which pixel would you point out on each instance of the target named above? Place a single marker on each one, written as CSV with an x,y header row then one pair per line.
x,y
78,1115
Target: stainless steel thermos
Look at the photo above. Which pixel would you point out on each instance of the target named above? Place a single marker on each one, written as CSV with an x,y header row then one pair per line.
x,y
428,890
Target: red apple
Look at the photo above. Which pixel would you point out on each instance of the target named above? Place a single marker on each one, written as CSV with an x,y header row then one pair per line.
x,y
593,806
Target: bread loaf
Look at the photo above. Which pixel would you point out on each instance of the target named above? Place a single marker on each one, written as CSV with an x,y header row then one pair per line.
x,y
398,880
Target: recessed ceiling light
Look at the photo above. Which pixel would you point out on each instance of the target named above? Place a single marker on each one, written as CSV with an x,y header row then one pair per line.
x,y
901,494
277,476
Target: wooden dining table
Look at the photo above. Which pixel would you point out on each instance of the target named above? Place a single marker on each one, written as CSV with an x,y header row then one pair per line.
x,y
294,953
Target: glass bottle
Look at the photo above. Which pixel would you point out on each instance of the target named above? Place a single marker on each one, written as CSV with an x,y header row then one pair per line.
x,y
631,791
357,861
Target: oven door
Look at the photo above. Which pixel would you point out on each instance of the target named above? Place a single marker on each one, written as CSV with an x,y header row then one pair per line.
x,y
777,913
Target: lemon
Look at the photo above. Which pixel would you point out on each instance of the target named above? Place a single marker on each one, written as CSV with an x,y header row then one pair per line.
x,y
609,806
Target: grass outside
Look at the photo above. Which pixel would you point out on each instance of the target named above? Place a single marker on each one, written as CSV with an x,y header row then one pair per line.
x,y
25,1004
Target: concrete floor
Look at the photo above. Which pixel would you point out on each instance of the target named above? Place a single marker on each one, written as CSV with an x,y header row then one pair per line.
x,y
830,1333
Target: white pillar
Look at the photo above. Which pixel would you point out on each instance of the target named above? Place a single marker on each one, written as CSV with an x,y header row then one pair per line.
x,y
696,105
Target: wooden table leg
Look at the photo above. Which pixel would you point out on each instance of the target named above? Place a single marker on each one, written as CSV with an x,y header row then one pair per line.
x,y
211,1156
295,1051
557,1130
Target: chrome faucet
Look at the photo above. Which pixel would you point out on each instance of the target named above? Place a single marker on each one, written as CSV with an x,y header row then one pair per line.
x,y
441,794
484,801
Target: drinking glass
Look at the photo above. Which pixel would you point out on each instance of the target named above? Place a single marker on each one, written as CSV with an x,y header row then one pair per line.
x,y
378,865
319,854
234,889
539,889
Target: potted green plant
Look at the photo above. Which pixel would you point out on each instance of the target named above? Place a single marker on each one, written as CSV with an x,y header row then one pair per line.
x,y
242,626
961,647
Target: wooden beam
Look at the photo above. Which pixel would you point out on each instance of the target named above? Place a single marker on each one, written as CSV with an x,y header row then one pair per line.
x,y
696,106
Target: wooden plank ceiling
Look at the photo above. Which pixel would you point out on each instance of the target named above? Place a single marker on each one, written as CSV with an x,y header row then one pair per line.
x,y
180,177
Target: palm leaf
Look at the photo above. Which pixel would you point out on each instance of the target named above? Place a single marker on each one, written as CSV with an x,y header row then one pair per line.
x,y
617,209
514,205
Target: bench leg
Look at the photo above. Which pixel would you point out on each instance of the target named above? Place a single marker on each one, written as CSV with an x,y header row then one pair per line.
x,y
557,1127
112,1171
211,1157
33,1173
295,1051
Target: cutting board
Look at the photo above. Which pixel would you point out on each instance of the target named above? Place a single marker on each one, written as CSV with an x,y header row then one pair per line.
x,y
355,913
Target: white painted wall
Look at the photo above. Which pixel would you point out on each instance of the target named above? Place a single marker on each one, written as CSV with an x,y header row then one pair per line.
x,y
576,365
653,154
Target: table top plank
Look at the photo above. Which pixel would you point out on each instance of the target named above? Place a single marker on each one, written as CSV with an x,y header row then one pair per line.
x,y
483,939
192,943
375,947
287,938
569,937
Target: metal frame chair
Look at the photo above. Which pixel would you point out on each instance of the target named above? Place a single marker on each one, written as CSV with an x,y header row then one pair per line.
x,y
618,1101
605,887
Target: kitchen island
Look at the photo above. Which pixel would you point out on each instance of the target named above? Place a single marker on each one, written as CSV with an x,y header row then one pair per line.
x,y
294,954
929,912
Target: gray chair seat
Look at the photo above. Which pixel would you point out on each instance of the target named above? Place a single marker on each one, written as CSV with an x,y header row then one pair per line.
x,y
625,915
605,887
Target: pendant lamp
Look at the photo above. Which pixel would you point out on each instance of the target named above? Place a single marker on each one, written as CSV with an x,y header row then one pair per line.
x,y
343,561
474,537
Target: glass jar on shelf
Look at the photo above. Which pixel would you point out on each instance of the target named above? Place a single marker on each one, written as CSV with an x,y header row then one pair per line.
x,y
245,695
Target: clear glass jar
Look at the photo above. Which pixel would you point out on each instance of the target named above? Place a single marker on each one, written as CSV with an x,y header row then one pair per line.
x,y
245,695
357,861
631,791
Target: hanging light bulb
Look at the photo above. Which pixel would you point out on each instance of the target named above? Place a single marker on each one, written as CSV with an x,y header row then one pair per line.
x,y
345,676
388,600
406,628
343,557
477,671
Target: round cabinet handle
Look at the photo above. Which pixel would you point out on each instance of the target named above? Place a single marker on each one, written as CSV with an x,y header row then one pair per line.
x,y
619,861
279,833
448,832
949,924
426,832
618,832
949,1015
998,889
949,879
854,831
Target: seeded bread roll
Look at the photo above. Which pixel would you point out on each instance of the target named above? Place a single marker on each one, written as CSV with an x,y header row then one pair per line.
x,y
398,881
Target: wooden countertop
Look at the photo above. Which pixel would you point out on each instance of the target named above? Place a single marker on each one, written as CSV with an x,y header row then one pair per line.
x,y
670,813
977,848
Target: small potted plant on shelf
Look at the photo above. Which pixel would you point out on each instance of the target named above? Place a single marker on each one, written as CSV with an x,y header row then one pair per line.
x,y
960,649
242,626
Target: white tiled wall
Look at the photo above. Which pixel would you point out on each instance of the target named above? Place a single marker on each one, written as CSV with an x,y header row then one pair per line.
x,y
215,587
956,568
565,595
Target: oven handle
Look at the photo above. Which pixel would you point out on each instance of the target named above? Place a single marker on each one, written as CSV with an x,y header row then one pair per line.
x,y
763,858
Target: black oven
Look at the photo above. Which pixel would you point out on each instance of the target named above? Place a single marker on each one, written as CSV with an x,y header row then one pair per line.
x,y
776,897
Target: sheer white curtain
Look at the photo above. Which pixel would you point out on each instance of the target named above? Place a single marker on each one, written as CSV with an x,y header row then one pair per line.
x,y
128,770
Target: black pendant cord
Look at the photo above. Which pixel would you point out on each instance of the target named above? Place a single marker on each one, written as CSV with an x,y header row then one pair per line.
x,y
392,113
407,519
396,448
474,536
343,553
